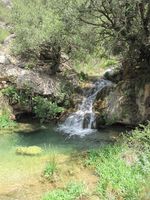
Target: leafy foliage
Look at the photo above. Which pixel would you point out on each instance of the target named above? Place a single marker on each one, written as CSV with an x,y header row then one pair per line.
x,y
50,169
72,192
6,122
122,27
53,22
45,109
119,178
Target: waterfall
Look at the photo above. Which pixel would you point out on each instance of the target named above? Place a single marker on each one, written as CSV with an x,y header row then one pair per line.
x,y
82,122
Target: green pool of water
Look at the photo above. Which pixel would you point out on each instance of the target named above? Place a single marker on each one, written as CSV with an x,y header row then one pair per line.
x,y
15,169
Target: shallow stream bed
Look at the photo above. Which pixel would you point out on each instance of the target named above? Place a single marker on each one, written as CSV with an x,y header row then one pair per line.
x,y
20,175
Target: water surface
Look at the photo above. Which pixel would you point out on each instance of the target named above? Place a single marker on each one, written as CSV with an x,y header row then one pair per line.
x,y
16,170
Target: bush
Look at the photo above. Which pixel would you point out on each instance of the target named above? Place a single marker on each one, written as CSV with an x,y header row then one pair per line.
x,y
6,122
45,109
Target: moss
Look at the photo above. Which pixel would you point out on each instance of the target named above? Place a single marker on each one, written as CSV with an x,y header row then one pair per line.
x,y
31,151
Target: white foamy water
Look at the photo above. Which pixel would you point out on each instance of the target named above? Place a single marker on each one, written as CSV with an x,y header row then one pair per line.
x,y
82,122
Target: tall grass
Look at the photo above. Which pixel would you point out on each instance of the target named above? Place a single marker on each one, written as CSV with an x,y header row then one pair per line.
x,y
123,169
94,64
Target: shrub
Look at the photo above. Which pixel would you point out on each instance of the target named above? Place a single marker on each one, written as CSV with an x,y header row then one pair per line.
x,y
6,122
45,109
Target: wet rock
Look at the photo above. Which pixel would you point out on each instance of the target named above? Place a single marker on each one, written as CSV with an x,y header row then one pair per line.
x,y
127,103
114,74
86,120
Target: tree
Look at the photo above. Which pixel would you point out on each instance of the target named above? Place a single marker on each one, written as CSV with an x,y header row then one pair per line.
x,y
122,26
45,28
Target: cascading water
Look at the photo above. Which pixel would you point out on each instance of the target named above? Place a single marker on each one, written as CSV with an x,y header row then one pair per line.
x,y
82,122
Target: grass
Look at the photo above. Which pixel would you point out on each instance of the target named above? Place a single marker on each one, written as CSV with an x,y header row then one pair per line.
x,y
50,169
73,191
94,65
6,122
3,34
123,169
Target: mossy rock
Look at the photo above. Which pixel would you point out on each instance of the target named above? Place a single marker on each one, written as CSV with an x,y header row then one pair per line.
x,y
30,151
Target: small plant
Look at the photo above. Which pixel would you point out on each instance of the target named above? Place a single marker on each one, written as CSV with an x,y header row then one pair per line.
x,y
72,192
50,169
6,122
12,94
45,109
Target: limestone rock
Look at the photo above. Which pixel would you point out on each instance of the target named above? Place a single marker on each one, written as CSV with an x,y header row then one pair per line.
x,y
7,3
22,78
4,59
127,103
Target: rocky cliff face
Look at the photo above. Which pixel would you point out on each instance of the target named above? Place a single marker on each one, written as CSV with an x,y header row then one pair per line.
x,y
127,102
22,78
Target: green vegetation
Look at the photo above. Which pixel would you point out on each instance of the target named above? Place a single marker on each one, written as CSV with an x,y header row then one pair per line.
x,y
42,107
6,122
6,116
3,34
30,151
53,27
50,169
123,169
94,64
45,109
80,28
72,192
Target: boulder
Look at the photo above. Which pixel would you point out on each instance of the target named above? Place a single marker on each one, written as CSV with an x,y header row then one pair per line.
x,y
114,74
7,3
27,79
127,103
4,59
